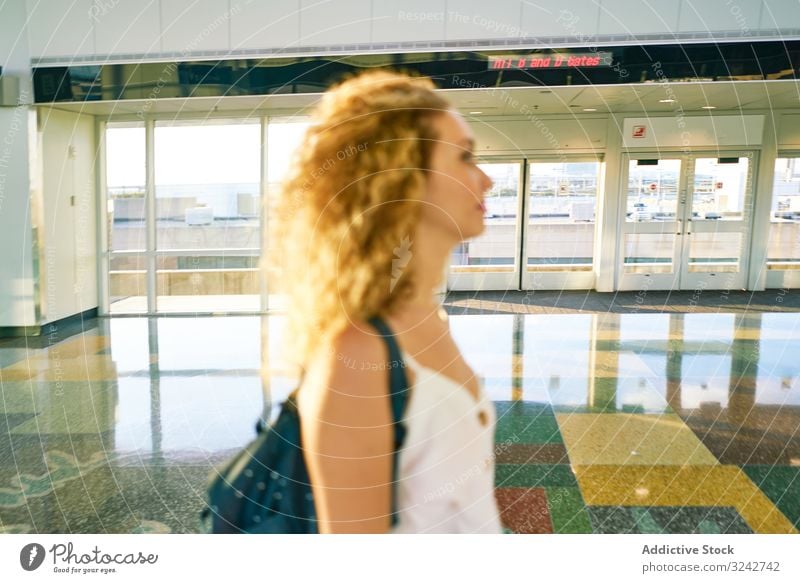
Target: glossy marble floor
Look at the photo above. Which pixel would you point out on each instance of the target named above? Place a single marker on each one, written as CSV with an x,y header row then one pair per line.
x,y
607,423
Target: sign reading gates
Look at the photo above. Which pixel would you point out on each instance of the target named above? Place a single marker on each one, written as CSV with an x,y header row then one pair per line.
x,y
66,560
551,61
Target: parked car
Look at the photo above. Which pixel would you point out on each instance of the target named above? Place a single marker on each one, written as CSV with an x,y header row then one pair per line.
x,y
788,215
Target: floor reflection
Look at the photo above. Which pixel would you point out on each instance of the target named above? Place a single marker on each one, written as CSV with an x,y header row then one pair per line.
x,y
606,422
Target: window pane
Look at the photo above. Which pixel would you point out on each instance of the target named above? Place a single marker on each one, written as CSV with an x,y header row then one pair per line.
x,y
495,248
649,252
208,228
127,283
208,283
125,180
283,138
207,186
652,190
719,188
715,252
563,200
784,234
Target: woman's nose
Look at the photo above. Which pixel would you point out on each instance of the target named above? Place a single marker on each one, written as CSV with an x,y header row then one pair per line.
x,y
487,182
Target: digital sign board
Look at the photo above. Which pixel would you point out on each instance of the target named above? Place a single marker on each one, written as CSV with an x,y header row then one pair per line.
x,y
551,60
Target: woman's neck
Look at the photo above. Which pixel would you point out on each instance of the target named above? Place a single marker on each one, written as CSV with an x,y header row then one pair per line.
x,y
430,254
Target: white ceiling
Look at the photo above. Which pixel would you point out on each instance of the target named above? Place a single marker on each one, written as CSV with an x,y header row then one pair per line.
x,y
636,98
633,98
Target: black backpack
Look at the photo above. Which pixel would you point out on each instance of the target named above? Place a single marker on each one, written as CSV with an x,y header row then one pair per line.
x,y
265,488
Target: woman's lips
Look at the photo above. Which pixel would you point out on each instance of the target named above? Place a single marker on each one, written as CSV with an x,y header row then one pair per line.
x,y
482,207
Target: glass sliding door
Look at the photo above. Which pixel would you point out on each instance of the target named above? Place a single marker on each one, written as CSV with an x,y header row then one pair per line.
x,y
207,210
717,222
650,224
491,260
686,221
553,248
783,251
559,234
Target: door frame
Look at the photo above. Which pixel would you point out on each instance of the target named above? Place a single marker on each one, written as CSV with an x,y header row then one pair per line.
x,y
680,278
483,277
720,279
786,276
639,281
565,279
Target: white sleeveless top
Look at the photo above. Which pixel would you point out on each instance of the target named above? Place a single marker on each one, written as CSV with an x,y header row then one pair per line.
x,y
446,464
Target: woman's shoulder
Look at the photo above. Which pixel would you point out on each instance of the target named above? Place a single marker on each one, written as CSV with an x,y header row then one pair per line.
x,y
348,364
358,347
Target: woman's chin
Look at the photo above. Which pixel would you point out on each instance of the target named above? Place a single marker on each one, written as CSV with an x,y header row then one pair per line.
x,y
470,231
478,229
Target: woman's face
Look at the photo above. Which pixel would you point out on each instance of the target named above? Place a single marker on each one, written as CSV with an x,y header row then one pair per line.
x,y
456,186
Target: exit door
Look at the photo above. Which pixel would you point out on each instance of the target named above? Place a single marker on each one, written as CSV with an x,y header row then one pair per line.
x,y
686,221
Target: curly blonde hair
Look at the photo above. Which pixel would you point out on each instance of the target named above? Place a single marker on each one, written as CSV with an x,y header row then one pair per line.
x,y
349,206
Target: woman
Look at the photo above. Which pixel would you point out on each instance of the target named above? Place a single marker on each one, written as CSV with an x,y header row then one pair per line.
x,y
383,189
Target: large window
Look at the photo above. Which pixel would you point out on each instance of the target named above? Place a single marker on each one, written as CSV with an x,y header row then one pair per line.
x,y
561,215
202,242
208,228
784,233
496,248
196,244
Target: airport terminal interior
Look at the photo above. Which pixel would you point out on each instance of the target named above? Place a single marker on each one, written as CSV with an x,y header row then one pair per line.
x,y
632,307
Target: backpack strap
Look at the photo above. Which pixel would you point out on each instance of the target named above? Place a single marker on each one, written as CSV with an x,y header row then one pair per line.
x,y
398,392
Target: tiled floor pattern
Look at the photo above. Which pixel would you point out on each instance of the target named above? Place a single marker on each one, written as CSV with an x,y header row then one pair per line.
x,y
615,423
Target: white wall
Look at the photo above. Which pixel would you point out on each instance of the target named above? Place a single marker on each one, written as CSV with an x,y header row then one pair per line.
x,y
41,234
693,131
551,134
788,126
17,306
69,282
590,131
85,29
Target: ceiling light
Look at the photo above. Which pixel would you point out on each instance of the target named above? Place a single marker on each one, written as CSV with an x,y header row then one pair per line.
x,y
666,101
475,112
589,109
709,107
